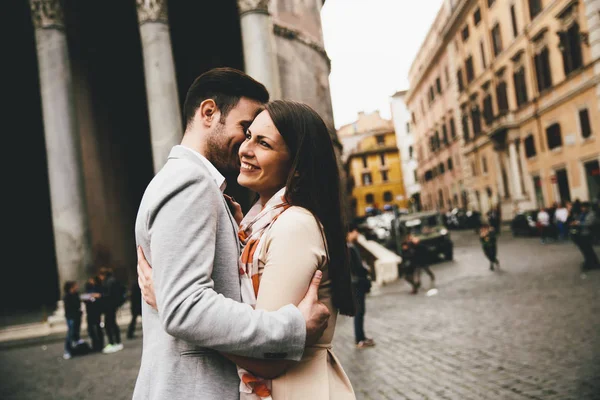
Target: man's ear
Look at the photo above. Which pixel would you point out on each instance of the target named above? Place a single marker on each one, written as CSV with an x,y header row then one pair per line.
x,y
208,112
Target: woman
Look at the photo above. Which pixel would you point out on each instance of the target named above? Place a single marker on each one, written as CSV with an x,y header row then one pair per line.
x,y
295,228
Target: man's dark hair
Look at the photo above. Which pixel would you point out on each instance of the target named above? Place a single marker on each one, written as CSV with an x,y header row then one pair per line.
x,y
225,86
352,226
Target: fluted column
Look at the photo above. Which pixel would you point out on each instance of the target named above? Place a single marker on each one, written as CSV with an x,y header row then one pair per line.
x,y
499,178
63,149
161,83
260,58
514,170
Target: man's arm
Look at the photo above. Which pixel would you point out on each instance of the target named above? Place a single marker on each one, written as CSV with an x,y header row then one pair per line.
x,y
182,233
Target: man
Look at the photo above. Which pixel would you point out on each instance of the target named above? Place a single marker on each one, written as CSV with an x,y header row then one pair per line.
x,y
111,300
561,216
189,237
135,303
543,222
415,260
584,237
361,285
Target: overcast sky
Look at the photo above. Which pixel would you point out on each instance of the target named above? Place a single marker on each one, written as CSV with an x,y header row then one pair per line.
x,y
371,44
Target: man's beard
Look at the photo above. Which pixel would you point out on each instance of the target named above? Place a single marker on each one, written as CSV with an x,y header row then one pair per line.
x,y
218,151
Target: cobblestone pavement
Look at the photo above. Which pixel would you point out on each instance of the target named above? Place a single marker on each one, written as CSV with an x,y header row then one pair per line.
x,y
530,331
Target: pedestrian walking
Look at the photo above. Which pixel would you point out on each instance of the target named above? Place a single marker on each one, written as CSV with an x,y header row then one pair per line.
x,y
135,301
415,260
361,285
93,311
487,237
543,224
561,215
72,305
583,235
112,299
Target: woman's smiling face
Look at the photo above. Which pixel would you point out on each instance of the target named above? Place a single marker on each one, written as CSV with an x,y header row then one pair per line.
x,y
265,158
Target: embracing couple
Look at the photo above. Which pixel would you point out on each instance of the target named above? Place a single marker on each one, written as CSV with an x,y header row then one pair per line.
x,y
243,306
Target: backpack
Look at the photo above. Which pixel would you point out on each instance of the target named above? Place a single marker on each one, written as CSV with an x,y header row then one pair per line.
x,y
120,294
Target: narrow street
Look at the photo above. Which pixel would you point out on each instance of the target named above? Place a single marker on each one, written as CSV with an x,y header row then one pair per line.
x,y
529,331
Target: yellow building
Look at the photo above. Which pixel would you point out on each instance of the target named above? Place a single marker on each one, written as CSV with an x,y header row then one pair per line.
x,y
373,164
528,80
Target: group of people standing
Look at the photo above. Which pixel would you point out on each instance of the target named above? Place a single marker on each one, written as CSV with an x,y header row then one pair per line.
x,y
102,296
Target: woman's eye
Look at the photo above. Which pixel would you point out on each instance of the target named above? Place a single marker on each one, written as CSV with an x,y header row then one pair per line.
x,y
263,143
248,137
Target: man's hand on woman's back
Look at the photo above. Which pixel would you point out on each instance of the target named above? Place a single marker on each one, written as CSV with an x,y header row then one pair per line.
x,y
315,313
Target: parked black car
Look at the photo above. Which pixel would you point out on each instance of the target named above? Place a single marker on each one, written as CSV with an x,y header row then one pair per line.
x,y
525,223
459,218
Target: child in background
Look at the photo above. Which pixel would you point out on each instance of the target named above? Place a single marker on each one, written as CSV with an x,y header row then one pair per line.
x,y
487,236
72,305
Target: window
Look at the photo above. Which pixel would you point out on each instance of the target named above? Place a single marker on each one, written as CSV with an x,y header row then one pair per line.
x,y
497,39
410,152
450,164
384,176
465,127
542,69
441,168
382,158
459,80
570,47
490,2
428,175
367,179
530,146
584,123
535,7
408,126
488,111
501,98
369,198
465,33
438,85
387,196
484,164
452,129
483,62
414,121
477,17
520,86
469,69
445,135
431,95
441,198
553,136
513,19
437,140
380,140
364,160
447,75
476,120
416,175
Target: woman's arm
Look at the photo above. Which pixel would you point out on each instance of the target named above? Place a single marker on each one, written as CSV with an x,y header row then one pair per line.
x,y
294,251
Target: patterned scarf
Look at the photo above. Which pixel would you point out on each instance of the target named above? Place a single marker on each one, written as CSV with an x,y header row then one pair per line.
x,y
254,225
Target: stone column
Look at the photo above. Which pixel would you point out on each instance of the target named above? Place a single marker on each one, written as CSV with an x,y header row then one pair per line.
x,y
514,170
63,149
528,185
161,83
592,14
499,179
260,58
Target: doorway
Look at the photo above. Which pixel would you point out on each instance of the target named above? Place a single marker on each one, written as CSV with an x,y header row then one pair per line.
x,y
592,176
562,181
539,193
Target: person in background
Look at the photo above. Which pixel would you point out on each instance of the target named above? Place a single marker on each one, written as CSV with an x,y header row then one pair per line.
x,y
487,237
72,305
110,304
93,310
561,215
135,300
361,285
584,224
543,223
415,260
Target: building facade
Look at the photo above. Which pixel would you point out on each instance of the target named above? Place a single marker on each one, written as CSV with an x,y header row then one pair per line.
x,y
405,140
527,75
100,89
373,164
432,102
